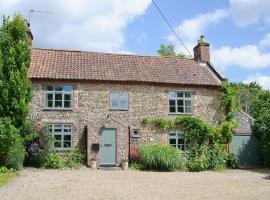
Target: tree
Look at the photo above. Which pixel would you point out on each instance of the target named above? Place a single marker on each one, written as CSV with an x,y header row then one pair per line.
x,y
169,50
15,85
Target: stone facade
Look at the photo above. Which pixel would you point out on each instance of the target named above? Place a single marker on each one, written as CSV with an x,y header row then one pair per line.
x,y
91,112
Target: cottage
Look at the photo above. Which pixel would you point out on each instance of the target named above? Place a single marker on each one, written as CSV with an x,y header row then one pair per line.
x,y
96,101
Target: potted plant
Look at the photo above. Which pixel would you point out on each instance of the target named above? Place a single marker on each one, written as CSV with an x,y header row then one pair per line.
x,y
93,163
124,164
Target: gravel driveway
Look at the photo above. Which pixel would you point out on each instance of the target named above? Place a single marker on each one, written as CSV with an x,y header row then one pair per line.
x,y
116,184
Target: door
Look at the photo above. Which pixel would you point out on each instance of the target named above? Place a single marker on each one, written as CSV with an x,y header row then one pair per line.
x,y
107,153
245,148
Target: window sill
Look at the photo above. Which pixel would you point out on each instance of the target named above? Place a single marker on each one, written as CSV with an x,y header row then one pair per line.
x,y
180,113
57,109
115,109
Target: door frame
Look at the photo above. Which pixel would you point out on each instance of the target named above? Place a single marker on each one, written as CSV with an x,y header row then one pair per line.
x,y
115,131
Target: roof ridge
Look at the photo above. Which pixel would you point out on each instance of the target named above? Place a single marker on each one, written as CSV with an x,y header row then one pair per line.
x,y
107,53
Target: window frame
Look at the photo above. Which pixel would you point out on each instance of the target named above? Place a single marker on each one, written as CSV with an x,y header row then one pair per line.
x,y
181,98
54,92
62,133
178,132
134,135
118,108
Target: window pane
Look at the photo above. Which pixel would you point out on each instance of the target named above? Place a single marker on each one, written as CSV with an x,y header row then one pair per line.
x,y
180,94
57,128
172,109
67,144
67,129
172,102
181,141
67,137
180,102
58,88
119,100
49,96
58,97
67,97
180,109
49,88
67,104
124,104
57,144
172,95
188,110
114,103
67,88
188,102
187,94
58,104
57,137
172,141
50,104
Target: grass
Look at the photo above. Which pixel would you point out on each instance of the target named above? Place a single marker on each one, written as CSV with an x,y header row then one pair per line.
x,y
6,177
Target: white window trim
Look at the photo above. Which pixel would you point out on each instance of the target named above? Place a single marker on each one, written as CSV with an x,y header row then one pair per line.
x,y
180,113
177,132
110,102
62,148
57,92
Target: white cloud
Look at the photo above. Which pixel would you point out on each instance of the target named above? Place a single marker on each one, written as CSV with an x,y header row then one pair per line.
x,y
264,81
191,29
245,12
265,42
80,24
248,56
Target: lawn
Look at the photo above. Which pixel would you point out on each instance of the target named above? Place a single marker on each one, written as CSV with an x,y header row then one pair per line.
x,y
6,177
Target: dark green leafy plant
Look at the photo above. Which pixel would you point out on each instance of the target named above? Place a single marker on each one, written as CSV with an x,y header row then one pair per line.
x,y
160,157
232,161
74,159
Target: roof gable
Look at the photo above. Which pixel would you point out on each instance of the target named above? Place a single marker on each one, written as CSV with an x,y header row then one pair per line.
x,y
79,65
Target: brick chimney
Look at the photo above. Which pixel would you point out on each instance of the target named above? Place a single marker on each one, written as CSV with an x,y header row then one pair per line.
x,y
201,51
29,33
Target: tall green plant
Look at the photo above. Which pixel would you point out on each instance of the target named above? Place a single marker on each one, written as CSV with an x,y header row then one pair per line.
x,y
15,85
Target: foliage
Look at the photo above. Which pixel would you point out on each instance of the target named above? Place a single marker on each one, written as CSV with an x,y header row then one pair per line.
x,y
261,127
74,159
232,161
38,148
136,165
6,175
11,148
169,50
160,157
15,85
229,101
53,161
198,158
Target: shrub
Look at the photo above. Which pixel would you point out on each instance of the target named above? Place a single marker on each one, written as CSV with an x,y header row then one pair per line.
x,y
38,148
74,159
197,158
160,157
232,161
53,161
11,149
134,154
136,165
16,156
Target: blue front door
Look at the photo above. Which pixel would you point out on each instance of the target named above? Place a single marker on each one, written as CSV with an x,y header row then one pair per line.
x,y
107,151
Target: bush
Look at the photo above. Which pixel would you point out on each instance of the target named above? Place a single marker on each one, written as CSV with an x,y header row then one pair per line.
x,y
38,148
136,165
232,161
53,161
12,151
160,157
197,158
74,159
16,156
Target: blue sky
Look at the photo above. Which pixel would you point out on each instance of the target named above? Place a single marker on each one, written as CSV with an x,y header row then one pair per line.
x,y
238,30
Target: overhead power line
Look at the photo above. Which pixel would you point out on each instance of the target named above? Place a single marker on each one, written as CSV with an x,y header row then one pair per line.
x,y
37,11
172,29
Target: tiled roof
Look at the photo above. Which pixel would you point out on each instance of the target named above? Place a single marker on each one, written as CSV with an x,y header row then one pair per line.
x,y
78,65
